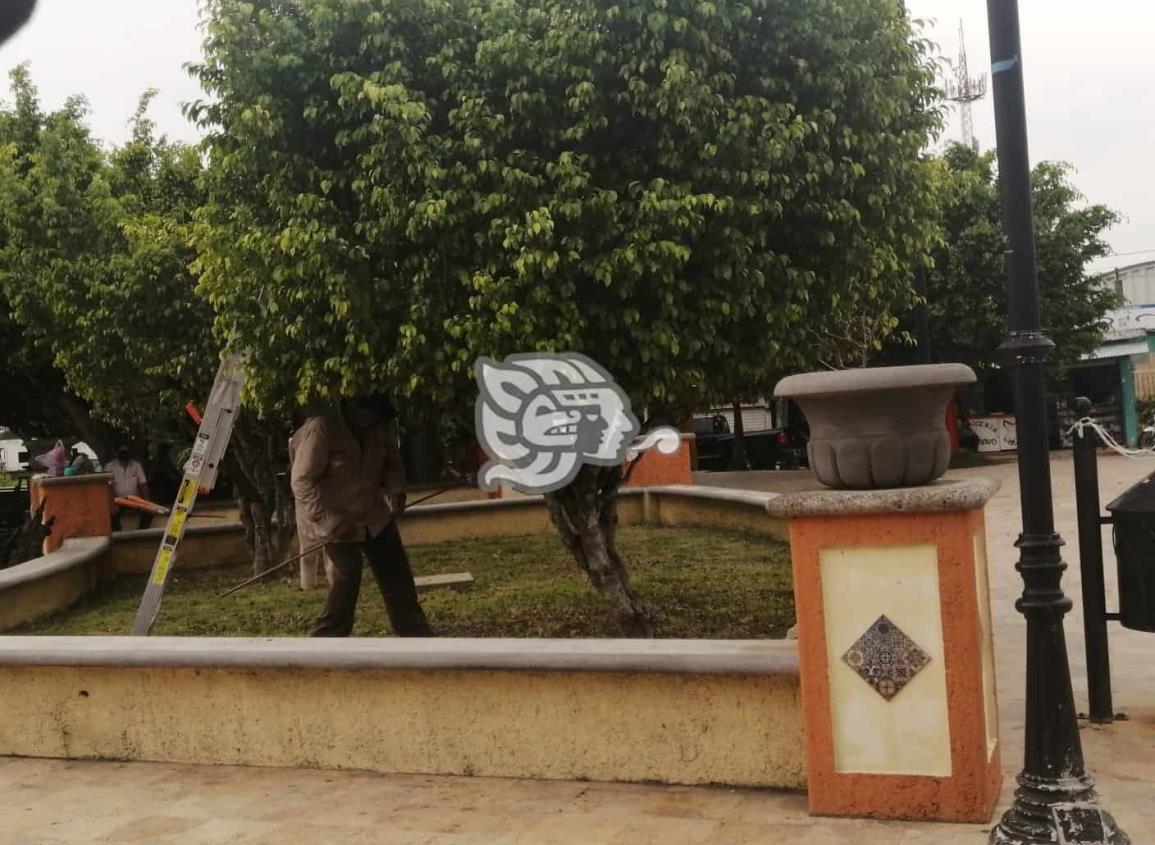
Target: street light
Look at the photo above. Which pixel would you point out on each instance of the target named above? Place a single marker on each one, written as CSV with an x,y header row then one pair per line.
x,y
1056,800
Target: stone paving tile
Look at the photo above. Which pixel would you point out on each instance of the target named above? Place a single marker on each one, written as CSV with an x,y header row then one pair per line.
x,y
563,828
385,835
229,832
767,807
656,830
84,826
30,813
299,834
150,829
448,819
940,835
689,803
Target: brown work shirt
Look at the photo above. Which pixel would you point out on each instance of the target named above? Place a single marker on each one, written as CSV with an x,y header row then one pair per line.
x,y
338,483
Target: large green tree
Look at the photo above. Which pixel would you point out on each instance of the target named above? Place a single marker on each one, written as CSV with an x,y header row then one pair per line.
x,y
37,401
685,190
95,272
966,289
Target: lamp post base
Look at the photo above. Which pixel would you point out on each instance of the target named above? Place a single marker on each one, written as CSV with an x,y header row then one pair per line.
x,y
1057,812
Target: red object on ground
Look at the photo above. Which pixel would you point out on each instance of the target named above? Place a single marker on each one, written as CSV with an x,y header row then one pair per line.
x,y
192,411
138,504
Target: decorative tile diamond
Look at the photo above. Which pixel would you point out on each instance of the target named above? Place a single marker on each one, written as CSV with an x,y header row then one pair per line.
x,y
886,658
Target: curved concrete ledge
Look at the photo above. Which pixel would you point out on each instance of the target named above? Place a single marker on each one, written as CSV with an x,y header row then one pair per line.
x,y
203,546
154,534
676,711
48,584
711,507
672,506
752,498
947,494
708,657
76,552
668,711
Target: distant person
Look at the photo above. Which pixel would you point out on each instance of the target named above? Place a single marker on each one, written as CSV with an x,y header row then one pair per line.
x,y
128,479
81,463
342,463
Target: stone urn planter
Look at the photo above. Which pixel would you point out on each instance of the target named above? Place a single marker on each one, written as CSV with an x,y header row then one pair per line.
x,y
877,427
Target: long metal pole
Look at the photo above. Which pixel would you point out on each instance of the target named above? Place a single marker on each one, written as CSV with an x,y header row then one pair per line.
x,y
318,547
1086,461
1056,800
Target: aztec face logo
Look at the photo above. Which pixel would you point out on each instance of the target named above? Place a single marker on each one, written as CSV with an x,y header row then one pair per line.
x,y
540,416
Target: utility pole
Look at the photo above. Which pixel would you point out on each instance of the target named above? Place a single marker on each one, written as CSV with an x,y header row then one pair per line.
x,y
1056,800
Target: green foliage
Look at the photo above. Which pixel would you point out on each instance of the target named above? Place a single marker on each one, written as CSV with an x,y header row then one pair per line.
x,y
966,290
95,257
95,267
689,191
705,584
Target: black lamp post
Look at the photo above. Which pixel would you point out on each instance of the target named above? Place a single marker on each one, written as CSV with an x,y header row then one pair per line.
x,y
1056,800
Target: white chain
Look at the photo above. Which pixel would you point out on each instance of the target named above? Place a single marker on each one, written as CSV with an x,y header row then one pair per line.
x,y
1108,440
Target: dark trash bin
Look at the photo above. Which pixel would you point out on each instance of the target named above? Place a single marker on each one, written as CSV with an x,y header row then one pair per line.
x,y
1133,515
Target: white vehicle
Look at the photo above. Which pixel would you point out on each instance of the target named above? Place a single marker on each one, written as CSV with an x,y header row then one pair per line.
x,y
13,456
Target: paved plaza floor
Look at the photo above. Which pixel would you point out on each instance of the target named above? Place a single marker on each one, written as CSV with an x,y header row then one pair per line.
x,y
47,802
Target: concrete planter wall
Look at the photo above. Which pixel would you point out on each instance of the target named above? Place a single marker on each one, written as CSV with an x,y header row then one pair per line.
x,y
669,711
877,427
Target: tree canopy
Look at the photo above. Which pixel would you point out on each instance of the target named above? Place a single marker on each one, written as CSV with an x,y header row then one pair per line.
x,y
100,296
684,190
687,191
95,258
966,289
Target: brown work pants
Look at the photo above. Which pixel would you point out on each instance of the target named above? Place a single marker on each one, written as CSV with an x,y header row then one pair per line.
x,y
390,565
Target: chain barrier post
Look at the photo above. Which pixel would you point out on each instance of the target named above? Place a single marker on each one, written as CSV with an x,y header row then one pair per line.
x,y
1086,460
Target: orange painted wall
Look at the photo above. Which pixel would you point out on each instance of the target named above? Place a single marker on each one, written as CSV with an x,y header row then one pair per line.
x,y
82,506
655,469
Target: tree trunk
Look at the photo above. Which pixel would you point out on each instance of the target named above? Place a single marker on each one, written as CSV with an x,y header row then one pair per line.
x,y
259,458
585,515
738,459
98,435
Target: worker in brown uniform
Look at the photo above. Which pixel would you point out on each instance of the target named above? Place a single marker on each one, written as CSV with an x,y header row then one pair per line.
x,y
342,463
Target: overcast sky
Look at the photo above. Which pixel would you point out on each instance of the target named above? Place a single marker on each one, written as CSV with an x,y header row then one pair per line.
x,y
1090,74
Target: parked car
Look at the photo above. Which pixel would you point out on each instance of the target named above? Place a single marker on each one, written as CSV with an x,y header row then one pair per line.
x,y
774,448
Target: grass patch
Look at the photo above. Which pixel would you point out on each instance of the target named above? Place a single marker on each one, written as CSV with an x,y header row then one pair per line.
x,y
707,584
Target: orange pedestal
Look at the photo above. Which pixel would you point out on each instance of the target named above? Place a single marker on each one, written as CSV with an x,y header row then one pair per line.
x,y
655,469
895,648
81,504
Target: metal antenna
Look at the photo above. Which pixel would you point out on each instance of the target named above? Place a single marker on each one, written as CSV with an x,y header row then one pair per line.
x,y
965,89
